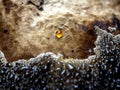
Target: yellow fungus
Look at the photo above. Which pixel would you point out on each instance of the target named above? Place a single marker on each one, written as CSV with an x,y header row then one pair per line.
x,y
59,34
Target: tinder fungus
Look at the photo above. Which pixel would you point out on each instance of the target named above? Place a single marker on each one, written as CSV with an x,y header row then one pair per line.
x,y
68,45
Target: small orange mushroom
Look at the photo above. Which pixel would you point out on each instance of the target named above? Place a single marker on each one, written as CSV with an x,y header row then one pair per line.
x,y
59,34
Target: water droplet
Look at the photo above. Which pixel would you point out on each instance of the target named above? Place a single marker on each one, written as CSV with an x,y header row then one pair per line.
x,y
63,71
59,34
70,66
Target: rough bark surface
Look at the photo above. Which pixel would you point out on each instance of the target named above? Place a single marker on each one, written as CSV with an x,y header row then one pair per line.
x,y
25,31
